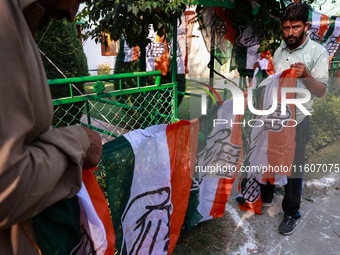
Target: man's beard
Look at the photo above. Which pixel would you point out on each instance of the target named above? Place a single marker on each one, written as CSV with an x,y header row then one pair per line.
x,y
297,41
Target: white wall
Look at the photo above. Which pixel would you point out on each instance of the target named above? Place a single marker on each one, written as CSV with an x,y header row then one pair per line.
x,y
94,55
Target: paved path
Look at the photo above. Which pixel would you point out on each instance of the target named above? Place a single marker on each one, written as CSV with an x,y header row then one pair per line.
x,y
318,231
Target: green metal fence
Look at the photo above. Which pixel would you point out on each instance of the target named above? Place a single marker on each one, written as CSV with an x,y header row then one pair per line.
x,y
100,103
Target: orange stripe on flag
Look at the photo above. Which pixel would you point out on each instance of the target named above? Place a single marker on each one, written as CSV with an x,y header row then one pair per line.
x,y
135,54
231,32
162,63
182,138
99,203
281,145
221,197
323,25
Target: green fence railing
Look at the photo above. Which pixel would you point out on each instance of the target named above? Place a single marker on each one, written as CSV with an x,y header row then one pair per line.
x,y
102,104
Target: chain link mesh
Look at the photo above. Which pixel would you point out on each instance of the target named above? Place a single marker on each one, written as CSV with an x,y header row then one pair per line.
x,y
115,115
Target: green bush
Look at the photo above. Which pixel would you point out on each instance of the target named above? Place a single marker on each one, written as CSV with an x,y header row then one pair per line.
x,y
59,41
325,123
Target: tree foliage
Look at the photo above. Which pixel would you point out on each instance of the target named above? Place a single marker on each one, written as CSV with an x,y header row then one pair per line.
x,y
131,19
59,41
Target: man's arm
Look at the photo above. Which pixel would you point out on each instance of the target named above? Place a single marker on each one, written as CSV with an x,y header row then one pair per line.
x,y
38,166
315,87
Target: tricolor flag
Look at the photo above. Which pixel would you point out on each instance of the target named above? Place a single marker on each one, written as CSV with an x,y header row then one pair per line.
x,y
331,39
184,38
77,226
219,158
126,53
319,25
246,44
149,175
266,62
95,215
157,55
222,36
268,140
157,52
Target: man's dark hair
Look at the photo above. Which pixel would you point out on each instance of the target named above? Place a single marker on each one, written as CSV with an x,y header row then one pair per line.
x,y
296,12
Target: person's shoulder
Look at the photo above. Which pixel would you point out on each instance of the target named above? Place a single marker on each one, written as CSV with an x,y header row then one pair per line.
x,y
316,47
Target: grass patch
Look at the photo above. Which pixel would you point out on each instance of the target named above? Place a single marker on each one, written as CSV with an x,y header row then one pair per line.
x,y
327,155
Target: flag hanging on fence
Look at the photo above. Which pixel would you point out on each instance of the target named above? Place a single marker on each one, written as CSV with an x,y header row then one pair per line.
x,y
149,174
219,158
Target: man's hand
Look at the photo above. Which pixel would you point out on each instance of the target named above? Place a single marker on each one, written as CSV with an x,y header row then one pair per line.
x,y
301,70
315,87
256,65
96,148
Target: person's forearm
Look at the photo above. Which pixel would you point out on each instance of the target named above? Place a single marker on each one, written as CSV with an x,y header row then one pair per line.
x,y
315,87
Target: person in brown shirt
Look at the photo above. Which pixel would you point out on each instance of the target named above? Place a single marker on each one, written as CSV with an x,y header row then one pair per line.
x,y
39,166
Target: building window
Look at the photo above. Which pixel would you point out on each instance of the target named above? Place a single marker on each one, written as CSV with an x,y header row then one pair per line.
x,y
111,47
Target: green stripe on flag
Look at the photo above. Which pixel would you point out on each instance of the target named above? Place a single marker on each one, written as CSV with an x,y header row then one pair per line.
x,y
57,228
119,161
330,29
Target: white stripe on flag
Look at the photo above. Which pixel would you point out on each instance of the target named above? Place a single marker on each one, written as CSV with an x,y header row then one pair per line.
x,y
146,220
332,43
92,223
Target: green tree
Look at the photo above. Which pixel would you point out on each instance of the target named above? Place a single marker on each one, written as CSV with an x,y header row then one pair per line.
x,y
59,41
131,20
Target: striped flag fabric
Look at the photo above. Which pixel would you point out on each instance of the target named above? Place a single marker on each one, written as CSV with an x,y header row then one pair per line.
x,y
128,54
223,35
157,52
331,39
79,225
219,158
95,216
149,175
157,55
266,62
184,38
319,25
269,142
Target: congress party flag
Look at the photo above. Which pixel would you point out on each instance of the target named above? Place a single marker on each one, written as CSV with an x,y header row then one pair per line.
x,y
219,158
149,175
269,141
95,215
